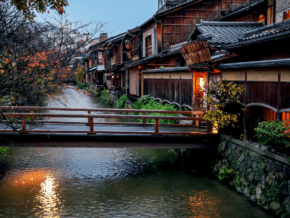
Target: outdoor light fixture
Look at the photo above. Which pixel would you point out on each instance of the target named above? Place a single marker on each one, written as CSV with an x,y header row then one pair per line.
x,y
201,82
127,44
215,128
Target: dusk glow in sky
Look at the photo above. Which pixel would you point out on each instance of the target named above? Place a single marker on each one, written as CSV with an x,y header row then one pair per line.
x,y
120,15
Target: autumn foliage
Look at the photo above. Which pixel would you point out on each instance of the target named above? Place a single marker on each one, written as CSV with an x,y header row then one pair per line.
x,y
29,6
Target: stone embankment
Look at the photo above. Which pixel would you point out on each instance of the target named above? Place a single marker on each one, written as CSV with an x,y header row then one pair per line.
x,y
258,172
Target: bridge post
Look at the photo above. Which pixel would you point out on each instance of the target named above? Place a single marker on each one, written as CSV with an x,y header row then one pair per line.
x,y
197,123
23,125
208,127
91,126
91,123
156,126
144,120
89,112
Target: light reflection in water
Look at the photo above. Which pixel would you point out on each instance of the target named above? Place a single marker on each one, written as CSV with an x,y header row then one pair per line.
x,y
50,202
202,204
39,188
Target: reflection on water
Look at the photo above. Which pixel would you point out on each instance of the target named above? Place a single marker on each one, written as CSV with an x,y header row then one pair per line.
x,y
34,183
88,182
202,204
49,201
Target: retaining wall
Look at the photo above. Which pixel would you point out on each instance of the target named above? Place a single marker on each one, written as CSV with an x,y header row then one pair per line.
x,y
258,172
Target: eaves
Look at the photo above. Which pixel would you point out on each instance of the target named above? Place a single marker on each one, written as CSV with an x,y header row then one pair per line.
x,y
177,8
162,55
258,40
255,64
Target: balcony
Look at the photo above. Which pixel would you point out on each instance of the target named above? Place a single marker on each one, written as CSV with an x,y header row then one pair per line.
x,y
149,51
113,61
135,54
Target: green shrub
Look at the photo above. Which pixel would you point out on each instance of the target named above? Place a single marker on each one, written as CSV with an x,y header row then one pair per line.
x,y
148,103
106,98
119,94
225,174
122,101
3,149
272,133
82,86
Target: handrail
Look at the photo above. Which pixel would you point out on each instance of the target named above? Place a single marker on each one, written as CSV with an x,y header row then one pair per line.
x,y
33,116
42,115
99,110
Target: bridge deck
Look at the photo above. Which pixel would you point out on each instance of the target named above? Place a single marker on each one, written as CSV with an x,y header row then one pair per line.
x,y
109,141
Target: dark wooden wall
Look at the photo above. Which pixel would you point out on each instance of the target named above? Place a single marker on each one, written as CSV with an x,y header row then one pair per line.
x,y
267,93
173,90
178,26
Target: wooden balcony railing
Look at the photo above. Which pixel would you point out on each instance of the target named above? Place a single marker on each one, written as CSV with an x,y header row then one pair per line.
x,y
37,114
134,53
149,51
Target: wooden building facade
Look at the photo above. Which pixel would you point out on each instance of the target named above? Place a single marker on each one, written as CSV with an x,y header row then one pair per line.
x,y
152,58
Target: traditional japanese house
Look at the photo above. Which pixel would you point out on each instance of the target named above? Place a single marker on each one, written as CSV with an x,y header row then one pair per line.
x,y
172,26
114,66
97,63
264,71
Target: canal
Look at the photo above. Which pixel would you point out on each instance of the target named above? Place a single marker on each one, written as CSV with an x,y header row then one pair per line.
x,y
107,182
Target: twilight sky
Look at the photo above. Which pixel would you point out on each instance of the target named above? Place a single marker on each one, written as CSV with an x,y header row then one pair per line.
x,y
120,15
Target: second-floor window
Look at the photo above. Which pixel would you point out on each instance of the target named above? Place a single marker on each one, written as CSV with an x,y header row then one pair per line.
x,y
148,41
100,58
91,62
286,15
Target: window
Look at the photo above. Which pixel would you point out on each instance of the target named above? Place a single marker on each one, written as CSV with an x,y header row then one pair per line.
x,y
261,18
135,44
100,57
283,15
286,15
148,41
90,62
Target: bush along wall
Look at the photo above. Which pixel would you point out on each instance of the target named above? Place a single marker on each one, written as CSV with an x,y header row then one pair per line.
x,y
256,171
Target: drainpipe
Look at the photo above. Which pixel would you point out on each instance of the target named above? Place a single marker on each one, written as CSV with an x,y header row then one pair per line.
x,y
154,16
127,81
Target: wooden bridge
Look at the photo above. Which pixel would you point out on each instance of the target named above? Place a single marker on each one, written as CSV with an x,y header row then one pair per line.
x,y
32,121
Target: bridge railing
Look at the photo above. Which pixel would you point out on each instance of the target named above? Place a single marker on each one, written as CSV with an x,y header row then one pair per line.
x,y
37,114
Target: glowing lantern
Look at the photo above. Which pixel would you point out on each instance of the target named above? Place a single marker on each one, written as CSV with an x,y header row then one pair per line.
x,y
201,82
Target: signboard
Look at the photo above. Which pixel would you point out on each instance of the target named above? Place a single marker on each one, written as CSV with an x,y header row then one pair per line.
x,y
196,52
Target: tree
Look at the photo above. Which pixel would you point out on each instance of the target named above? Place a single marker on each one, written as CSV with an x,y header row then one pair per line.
x,y
28,6
217,95
80,74
33,55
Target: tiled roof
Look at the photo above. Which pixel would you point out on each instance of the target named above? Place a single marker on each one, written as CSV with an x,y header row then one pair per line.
x,y
173,69
257,64
267,30
176,6
222,33
243,9
265,33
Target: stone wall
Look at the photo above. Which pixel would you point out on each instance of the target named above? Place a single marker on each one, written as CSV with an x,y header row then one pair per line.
x,y
258,172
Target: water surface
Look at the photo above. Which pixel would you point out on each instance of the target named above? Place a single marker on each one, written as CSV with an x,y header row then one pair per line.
x,y
108,182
